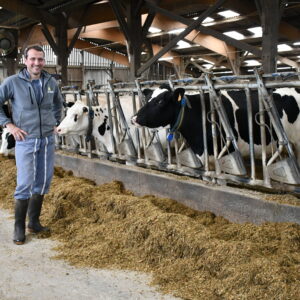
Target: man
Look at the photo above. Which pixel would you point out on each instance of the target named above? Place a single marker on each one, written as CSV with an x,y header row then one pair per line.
x,y
36,111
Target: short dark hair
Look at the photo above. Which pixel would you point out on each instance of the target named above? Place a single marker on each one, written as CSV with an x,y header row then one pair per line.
x,y
35,47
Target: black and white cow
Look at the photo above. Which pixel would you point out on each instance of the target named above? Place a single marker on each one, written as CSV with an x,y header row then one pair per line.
x,y
76,122
7,139
7,143
164,107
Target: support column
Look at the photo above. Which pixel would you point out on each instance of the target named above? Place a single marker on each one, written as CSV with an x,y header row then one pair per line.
x,y
62,47
10,64
270,12
130,21
135,38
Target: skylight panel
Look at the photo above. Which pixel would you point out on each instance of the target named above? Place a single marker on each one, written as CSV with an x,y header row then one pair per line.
x,y
176,31
235,35
284,47
183,44
154,30
257,31
166,58
252,62
228,14
206,20
207,66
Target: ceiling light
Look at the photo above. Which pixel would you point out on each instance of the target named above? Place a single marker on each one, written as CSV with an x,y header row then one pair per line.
x,y
228,14
296,43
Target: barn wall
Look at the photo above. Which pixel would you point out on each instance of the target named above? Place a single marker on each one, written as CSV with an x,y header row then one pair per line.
x,y
75,75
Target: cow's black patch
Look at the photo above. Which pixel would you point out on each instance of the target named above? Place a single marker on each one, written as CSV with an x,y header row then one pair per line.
x,y
11,142
290,106
102,127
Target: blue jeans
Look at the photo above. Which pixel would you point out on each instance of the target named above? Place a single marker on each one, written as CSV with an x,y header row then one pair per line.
x,y
35,166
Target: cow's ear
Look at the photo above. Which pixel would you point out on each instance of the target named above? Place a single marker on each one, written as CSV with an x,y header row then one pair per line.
x,y
178,94
147,93
85,109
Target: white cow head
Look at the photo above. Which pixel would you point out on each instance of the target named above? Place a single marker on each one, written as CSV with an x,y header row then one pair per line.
x,y
76,121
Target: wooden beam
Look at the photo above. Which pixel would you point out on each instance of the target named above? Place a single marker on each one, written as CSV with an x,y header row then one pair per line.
x,y
96,13
121,18
247,7
204,40
194,24
115,35
99,51
27,10
102,12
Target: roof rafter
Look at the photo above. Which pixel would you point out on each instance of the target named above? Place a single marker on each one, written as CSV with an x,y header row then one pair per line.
x,y
27,10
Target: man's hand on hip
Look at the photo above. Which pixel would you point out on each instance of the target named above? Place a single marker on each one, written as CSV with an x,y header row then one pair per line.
x,y
18,133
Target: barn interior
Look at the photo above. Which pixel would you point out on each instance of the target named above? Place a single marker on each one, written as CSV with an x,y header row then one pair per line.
x,y
189,37
226,236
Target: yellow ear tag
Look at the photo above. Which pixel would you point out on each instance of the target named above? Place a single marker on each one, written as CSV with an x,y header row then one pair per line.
x,y
179,98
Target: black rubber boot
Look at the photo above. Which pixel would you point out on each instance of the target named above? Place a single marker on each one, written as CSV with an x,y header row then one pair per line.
x,y
20,217
34,212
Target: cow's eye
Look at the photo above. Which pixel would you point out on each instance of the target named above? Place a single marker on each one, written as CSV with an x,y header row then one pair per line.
x,y
75,118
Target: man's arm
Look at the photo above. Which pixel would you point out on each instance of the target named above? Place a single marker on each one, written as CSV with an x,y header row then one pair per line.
x,y
7,93
57,105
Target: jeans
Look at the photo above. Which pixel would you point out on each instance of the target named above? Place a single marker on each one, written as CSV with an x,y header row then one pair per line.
x,y
35,166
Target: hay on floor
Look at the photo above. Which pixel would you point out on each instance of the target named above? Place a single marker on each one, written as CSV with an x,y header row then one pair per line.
x,y
191,254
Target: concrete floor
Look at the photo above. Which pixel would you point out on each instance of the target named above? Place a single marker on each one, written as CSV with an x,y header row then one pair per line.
x,y
28,272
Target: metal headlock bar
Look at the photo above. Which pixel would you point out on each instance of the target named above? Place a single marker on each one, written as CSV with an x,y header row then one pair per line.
x,y
286,170
231,163
125,145
152,145
280,170
70,143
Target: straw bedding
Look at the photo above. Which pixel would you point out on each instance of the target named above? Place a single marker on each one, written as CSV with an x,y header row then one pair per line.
x,y
190,254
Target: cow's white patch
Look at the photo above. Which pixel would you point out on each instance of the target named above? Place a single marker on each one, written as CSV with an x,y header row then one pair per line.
x,y
157,92
4,144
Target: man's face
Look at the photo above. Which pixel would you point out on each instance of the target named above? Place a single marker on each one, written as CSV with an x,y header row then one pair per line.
x,y
35,62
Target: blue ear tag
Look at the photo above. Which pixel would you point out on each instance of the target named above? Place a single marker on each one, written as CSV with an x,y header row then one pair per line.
x,y
170,137
183,102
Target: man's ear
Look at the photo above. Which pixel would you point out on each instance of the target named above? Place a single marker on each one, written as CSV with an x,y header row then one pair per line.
x,y
178,94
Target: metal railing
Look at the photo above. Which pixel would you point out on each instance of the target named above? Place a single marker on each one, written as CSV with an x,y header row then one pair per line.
x,y
276,168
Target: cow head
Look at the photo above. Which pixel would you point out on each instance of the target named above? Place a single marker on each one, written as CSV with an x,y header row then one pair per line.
x,y
161,109
76,121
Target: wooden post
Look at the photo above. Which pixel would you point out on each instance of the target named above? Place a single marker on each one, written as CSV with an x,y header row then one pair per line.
x,y
270,12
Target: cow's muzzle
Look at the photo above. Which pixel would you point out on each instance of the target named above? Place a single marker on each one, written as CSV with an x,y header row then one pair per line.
x,y
134,122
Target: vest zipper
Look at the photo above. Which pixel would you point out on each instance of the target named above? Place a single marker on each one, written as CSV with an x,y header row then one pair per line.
x,y
30,95
38,105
